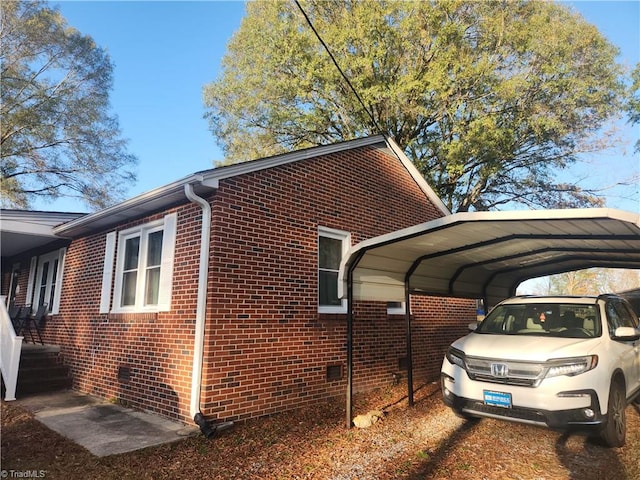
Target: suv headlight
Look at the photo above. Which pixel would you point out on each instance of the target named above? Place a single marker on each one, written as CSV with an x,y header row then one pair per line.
x,y
571,366
456,357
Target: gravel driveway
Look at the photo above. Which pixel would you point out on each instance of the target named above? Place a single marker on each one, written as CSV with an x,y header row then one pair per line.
x,y
423,442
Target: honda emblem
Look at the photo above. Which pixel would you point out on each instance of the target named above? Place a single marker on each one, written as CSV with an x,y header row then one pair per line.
x,y
499,370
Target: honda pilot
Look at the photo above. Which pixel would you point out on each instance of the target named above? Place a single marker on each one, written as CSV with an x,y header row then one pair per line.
x,y
567,363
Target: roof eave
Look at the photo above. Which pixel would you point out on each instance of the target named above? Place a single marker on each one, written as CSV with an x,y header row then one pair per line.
x,y
206,181
142,204
418,177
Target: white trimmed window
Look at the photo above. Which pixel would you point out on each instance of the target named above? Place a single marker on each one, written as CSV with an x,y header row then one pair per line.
x,y
332,246
144,268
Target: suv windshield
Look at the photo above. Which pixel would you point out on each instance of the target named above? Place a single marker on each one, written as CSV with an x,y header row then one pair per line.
x,y
570,320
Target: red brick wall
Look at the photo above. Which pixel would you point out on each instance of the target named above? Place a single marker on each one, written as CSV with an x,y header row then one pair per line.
x,y
266,347
156,347
22,280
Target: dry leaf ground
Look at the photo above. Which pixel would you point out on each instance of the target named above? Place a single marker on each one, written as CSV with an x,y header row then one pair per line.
x,y
423,442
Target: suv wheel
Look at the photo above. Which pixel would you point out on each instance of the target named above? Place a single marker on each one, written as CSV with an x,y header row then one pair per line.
x,y
614,431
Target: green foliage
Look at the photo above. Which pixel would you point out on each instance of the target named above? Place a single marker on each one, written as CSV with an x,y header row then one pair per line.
x,y
581,282
633,105
57,136
592,281
490,99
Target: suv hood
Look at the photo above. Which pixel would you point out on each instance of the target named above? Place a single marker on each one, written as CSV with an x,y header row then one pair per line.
x,y
524,347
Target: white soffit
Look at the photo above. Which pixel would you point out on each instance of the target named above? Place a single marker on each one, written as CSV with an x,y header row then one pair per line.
x,y
22,230
488,254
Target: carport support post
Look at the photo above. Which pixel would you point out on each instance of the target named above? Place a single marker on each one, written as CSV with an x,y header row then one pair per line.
x,y
407,316
349,407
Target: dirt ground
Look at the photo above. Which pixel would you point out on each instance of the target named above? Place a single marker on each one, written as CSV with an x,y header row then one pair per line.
x,y
423,442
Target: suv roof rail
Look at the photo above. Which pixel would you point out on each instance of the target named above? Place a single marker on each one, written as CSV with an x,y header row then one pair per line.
x,y
557,295
609,295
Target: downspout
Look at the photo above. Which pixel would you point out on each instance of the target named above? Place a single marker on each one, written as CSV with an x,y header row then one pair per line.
x,y
201,306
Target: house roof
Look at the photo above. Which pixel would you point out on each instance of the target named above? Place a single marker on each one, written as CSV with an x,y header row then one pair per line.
x,y
22,230
488,254
207,181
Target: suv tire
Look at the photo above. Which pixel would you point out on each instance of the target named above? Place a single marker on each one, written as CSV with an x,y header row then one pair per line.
x,y
614,430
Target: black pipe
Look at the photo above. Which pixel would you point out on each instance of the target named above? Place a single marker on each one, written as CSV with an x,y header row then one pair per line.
x,y
205,428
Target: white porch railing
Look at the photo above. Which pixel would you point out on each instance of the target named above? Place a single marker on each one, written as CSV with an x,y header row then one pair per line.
x,y
10,347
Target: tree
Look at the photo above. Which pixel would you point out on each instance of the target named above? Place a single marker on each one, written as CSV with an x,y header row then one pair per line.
x,y
57,137
579,282
490,99
633,105
593,281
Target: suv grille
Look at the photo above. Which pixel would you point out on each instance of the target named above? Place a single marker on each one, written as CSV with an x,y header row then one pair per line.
x,y
523,374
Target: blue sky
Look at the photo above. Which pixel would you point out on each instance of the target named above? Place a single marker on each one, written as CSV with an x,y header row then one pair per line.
x,y
165,52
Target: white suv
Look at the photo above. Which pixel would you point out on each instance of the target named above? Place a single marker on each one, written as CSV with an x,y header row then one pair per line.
x,y
563,362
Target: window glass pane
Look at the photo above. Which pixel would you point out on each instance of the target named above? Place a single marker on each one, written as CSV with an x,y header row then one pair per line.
x,y
154,249
55,271
328,288
614,318
129,288
330,253
45,274
152,286
132,247
43,283
53,284
624,316
395,308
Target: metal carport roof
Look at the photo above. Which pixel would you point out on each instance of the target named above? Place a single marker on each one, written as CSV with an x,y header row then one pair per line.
x,y
481,255
488,254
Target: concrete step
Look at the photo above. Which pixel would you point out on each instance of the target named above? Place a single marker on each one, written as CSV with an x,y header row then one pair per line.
x,y
40,360
42,369
42,372
40,385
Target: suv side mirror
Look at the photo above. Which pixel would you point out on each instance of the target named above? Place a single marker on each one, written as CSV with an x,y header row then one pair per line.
x,y
626,334
473,326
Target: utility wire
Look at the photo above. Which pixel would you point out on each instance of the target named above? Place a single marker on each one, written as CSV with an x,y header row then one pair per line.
x,y
346,79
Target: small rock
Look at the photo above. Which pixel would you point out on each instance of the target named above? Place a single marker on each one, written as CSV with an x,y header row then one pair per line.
x,y
368,419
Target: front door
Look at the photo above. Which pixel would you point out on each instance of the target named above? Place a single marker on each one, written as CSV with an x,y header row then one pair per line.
x,y
46,280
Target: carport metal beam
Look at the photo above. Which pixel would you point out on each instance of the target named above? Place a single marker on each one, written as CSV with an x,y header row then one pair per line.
x,y
462,268
349,406
409,348
497,241
407,316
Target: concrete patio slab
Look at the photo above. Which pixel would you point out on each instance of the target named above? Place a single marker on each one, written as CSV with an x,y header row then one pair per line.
x,y
101,427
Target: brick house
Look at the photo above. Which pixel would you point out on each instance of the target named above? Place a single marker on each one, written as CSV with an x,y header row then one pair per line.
x,y
217,293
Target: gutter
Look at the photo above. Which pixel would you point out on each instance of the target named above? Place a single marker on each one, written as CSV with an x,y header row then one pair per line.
x,y
156,199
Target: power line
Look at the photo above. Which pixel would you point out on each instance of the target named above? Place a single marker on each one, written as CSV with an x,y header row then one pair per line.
x,y
346,79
